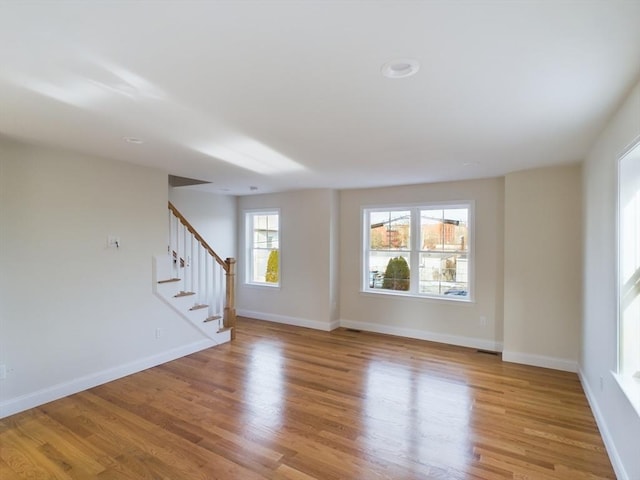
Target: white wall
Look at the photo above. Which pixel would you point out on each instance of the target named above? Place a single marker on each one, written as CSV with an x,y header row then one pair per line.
x,y
305,295
213,216
334,257
543,267
439,320
73,312
619,423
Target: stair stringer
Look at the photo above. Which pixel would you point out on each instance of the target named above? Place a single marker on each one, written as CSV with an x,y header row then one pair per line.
x,y
182,305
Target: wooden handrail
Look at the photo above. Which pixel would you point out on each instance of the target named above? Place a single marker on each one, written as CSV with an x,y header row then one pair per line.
x,y
197,236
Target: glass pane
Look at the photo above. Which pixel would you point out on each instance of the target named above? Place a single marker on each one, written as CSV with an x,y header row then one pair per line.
x,y
260,259
629,264
273,230
265,231
272,274
259,238
389,271
390,230
630,236
444,274
444,230
431,232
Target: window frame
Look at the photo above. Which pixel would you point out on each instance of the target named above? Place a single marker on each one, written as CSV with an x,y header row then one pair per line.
x,y
414,250
249,216
628,381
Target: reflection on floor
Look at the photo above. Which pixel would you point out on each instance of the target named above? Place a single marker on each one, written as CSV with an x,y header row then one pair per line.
x,y
284,402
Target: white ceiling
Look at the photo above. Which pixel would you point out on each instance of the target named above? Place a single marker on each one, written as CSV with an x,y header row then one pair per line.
x,y
288,94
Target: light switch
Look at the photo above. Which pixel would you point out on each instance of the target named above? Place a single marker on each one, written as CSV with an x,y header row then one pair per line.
x,y
113,241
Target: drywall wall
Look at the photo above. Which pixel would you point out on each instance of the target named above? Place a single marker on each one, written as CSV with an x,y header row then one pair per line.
x,y
304,297
440,320
212,215
619,423
543,267
334,256
74,312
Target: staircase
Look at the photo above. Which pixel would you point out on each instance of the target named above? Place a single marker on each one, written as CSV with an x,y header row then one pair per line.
x,y
194,281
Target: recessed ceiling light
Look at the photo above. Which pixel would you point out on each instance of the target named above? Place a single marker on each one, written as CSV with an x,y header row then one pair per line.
x,y
134,140
253,189
400,68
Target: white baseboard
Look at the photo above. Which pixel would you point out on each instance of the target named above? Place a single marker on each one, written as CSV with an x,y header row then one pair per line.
x,y
616,462
479,343
563,364
55,392
298,322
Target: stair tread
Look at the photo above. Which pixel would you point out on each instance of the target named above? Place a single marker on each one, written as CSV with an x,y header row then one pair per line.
x,y
169,280
184,294
224,329
199,306
212,318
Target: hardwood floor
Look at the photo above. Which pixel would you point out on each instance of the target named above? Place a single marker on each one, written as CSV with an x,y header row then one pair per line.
x,y
284,402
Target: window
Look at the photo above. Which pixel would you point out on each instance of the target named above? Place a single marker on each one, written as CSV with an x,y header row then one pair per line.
x,y
629,272
263,247
420,251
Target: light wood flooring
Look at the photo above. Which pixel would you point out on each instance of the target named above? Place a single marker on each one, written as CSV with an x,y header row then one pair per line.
x,y
283,402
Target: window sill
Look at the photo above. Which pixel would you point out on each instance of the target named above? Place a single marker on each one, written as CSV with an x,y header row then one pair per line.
x,y
631,388
395,293
263,285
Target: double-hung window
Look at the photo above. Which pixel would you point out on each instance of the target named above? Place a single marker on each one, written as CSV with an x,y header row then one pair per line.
x,y
263,247
629,275
422,250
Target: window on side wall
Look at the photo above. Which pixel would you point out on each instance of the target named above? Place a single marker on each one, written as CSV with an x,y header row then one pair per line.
x,y
263,247
422,251
629,275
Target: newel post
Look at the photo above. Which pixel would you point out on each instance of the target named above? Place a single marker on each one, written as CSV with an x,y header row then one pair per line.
x,y
230,304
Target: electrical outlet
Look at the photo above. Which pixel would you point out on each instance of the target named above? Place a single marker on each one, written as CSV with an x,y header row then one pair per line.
x,y
3,372
483,321
158,333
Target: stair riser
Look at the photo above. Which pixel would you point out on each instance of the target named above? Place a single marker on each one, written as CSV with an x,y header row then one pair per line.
x,y
182,305
168,289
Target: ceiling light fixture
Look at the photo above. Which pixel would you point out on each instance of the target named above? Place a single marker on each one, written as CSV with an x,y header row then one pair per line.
x,y
400,68
134,140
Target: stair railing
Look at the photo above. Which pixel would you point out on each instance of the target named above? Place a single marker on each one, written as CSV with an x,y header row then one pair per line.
x,y
203,274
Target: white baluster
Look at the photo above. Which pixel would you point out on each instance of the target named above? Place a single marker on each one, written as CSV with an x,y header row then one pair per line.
x,y
184,244
207,294
191,269
170,239
221,287
214,287
200,292
176,263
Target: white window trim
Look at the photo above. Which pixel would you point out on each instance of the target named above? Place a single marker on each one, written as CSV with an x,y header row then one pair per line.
x,y
628,382
364,238
248,234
